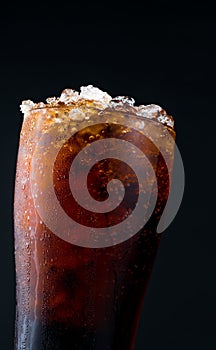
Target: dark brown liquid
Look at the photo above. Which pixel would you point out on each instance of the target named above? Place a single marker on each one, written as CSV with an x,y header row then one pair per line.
x,y
71,297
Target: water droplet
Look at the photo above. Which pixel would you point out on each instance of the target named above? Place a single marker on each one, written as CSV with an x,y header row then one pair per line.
x,y
140,124
77,114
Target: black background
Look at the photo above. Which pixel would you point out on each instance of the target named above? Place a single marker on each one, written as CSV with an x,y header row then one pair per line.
x,y
157,53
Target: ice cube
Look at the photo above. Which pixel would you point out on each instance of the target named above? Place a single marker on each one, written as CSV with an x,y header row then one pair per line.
x,y
120,100
149,111
52,100
41,105
26,106
166,119
155,112
69,95
92,93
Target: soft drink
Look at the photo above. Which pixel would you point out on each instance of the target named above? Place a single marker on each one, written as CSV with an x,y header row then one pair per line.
x,y
82,287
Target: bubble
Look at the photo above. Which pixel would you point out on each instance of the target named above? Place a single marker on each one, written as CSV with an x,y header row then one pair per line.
x,y
91,138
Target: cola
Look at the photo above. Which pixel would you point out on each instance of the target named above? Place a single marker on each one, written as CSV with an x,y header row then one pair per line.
x,y
82,285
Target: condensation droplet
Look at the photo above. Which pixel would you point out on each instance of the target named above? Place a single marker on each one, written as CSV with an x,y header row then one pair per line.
x,y
77,114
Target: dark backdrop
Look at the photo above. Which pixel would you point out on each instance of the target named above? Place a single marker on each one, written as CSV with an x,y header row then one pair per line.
x,y
160,54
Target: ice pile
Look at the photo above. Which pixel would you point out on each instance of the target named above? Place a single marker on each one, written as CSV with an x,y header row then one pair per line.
x,y
70,97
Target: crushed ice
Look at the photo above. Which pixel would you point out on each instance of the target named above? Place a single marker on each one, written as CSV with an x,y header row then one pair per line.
x,y
121,100
92,93
69,95
151,110
119,103
27,106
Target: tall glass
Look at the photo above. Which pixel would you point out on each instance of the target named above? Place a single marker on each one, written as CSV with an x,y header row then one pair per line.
x,y
84,245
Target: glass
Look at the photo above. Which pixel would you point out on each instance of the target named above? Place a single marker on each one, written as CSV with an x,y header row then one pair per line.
x,y
81,276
